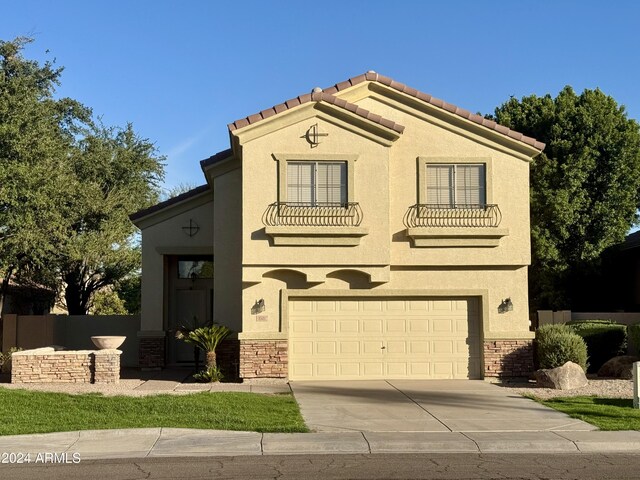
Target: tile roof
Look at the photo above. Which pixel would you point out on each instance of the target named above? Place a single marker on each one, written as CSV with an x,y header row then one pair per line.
x,y
328,95
171,201
218,157
315,97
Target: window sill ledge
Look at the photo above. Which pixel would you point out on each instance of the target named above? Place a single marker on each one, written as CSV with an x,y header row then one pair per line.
x,y
317,236
456,237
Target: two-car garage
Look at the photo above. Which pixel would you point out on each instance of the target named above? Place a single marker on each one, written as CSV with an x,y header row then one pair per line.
x,y
384,337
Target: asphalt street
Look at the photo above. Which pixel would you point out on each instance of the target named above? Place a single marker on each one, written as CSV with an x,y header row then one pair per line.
x,y
329,467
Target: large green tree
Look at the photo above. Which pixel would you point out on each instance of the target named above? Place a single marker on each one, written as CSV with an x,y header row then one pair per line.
x,y
37,134
67,185
585,186
115,174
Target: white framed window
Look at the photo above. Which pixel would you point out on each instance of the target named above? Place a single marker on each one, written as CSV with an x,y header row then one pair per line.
x,y
317,183
456,185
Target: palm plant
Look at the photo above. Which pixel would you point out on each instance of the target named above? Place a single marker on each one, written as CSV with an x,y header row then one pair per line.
x,y
206,338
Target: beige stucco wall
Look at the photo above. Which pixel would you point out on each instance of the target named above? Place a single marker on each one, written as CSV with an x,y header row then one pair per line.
x,y
509,182
166,237
260,188
227,250
493,285
386,184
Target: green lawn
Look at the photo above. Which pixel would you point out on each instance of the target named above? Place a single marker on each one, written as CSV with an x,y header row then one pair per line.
x,y
23,411
604,413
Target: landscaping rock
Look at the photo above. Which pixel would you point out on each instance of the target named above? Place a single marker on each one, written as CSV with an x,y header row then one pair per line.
x,y
618,367
567,377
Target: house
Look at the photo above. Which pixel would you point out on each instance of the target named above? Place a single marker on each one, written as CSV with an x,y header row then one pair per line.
x,y
363,231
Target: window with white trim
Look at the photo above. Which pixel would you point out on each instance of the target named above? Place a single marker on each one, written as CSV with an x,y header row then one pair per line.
x,y
456,185
317,183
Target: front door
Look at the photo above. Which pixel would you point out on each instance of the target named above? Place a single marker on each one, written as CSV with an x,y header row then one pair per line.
x,y
190,303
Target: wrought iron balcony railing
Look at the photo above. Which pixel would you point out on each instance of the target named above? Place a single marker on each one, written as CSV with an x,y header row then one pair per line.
x,y
312,215
433,215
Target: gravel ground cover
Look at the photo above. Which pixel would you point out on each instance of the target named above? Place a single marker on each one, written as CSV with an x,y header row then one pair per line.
x,y
598,387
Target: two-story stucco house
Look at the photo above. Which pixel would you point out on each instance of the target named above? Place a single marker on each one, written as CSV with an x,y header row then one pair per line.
x,y
363,231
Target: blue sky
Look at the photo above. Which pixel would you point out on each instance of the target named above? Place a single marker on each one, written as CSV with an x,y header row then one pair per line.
x,y
180,71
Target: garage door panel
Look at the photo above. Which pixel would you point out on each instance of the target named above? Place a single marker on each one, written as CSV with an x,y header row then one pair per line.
x,y
328,370
372,306
373,325
442,325
442,347
419,305
422,338
302,326
302,347
398,369
326,306
420,369
348,305
326,348
419,347
396,325
396,305
348,326
418,325
396,347
372,347
349,348
349,369
373,369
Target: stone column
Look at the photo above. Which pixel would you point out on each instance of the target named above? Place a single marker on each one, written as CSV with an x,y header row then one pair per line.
x,y
107,366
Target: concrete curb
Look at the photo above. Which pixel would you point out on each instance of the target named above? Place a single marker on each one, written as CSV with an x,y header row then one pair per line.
x,y
177,442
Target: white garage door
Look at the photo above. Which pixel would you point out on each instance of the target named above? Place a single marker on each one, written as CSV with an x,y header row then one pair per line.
x,y
373,338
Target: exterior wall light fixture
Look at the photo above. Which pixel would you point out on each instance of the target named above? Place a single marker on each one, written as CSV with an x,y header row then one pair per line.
x,y
505,306
258,307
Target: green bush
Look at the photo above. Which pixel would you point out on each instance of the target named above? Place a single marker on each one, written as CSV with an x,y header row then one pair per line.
x,y
605,339
208,375
633,339
557,345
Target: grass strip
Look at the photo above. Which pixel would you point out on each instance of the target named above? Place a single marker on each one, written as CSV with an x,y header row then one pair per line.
x,y
24,412
604,413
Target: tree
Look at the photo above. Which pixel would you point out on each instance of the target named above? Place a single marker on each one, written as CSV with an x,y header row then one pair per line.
x,y
37,134
107,302
115,174
129,290
585,186
67,185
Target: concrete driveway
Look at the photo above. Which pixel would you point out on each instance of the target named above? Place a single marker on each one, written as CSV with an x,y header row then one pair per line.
x,y
424,406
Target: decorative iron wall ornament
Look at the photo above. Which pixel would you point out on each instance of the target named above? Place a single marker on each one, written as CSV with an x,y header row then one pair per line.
x,y
191,229
313,135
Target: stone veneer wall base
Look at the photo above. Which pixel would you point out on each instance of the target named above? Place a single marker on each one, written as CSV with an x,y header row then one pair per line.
x,y
47,365
508,358
263,358
151,353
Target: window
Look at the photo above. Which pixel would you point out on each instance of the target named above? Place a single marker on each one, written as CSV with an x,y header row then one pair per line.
x,y
456,185
317,183
195,267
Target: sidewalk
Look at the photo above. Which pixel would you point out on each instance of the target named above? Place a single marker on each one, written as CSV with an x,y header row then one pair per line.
x,y
177,442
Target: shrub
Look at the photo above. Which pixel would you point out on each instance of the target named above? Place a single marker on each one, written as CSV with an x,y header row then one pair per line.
x,y
557,345
633,339
605,339
208,375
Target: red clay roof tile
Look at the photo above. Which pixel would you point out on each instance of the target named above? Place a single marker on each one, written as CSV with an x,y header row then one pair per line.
x,y
327,95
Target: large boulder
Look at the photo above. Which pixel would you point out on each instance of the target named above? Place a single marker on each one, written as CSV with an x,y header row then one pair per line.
x,y
618,367
567,377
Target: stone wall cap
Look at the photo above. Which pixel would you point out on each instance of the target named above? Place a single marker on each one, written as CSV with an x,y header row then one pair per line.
x,y
107,351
